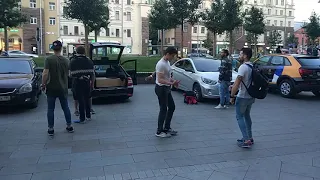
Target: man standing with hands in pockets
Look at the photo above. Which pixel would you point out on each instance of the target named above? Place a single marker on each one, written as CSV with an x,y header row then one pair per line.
x,y
163,91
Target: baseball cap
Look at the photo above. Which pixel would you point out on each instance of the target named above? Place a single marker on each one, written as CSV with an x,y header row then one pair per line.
x,y
56,45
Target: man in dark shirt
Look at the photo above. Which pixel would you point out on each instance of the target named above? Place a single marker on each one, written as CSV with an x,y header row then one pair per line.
x,y
55,83
82,72
225,78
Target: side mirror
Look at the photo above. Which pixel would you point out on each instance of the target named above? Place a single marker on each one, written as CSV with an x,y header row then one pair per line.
x,y
190,70
38,70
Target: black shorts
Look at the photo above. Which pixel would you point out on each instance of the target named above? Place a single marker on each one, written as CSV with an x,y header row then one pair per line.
x,y
75,96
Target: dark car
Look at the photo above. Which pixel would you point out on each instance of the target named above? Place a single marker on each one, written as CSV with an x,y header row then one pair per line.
x,y
112,79
19,82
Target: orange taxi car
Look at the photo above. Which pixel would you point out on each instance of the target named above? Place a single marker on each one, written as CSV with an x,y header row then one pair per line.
x,y
291,73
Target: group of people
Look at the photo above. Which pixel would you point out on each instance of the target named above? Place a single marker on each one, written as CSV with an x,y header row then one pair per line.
x,y
243,102
55,77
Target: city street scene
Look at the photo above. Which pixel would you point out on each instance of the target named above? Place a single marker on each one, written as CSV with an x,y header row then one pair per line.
x,y
159,90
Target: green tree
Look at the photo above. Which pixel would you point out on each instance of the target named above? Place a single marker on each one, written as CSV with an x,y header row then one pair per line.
x,y
232,18
87,12
313,27
212,19
292,40
274,38
161,18
254,25
185,11
208,43
250,38
10,16
95,26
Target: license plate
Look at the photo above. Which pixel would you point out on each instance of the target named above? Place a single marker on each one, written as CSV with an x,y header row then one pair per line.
x,y
4,98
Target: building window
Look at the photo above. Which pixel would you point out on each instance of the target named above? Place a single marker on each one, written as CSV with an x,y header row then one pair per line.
x,y
276,12
117,15
290,13
117,1
268,33
65,30
33,3
202,30
52,21
261,1
195,29
128,32
107,32
282,2
52,6
281,23
275,22
128,2
277,2
117,32
128,16
281,12
269,11
185,28
268,22
289,23
11,40
33,20
289,34
76,30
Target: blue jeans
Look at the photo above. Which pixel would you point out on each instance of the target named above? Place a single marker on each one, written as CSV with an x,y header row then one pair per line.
x,y
51,100
224,93
243,108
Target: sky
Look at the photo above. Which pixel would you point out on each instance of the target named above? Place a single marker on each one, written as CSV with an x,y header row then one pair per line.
x,y
303,9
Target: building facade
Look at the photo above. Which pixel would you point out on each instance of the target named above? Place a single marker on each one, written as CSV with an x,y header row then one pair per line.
x,y
128,26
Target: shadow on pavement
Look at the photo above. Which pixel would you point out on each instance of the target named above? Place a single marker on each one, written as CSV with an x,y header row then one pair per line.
x,y
106,101
13,110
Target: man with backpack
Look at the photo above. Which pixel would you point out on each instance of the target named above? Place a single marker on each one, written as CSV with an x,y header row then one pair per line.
x,y
251,84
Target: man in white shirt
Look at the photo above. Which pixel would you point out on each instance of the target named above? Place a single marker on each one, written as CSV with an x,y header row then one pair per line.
x,y
163,91
244,101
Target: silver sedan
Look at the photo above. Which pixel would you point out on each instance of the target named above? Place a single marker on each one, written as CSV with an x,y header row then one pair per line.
x,y
200,75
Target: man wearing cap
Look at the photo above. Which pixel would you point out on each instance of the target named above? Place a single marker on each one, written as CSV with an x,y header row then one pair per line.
x,y
55,84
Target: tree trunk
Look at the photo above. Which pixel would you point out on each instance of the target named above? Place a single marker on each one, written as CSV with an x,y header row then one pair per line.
x,y
96,35
255,46
86,41
162,43
231,42
6,42
182,40
214,47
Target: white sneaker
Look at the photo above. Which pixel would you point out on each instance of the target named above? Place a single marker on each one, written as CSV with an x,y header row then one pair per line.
x,y
163,135
219,107
225,106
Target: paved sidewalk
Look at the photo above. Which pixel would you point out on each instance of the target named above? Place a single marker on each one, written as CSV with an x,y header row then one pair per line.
x,y
119,144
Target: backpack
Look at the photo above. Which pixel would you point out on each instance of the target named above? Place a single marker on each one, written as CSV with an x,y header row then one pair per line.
x,y
259,85
190,97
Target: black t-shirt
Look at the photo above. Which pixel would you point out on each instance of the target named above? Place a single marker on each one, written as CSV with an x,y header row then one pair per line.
x,y
81,69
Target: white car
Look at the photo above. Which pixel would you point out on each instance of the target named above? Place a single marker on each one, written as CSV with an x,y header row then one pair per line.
x,y
200,75
16,53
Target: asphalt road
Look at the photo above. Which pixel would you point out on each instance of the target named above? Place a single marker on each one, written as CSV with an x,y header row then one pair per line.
x,y
119,144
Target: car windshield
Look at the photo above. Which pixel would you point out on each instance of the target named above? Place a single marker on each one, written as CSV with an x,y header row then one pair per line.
x,y
12,66
309,61
106,53
207,65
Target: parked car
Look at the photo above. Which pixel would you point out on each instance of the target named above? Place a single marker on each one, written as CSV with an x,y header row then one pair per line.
x,y
200,75
20,81
16,53
111,78
291,73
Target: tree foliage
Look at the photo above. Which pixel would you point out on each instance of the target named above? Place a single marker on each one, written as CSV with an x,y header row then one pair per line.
x,y
274,38
10,16
95,26
254,21
161,16
184,11
208,43
92,13
313,27
232,18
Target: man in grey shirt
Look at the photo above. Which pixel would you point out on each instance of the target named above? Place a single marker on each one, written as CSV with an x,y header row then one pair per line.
x,y
163,91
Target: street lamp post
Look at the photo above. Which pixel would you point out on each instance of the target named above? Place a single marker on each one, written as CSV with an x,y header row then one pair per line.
x,y
285,23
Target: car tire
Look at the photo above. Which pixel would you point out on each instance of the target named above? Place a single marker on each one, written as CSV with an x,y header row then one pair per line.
x,y
34,104
286,89
316,93
124,98
198,92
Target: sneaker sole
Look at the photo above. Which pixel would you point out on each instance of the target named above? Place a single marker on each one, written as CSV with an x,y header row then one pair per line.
x,y
162,136
50,134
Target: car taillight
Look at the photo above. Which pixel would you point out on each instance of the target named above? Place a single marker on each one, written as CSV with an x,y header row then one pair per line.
x,y
130,82
305,72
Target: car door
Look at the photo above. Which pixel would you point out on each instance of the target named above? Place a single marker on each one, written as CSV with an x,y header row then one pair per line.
x,y
188,75
263,64
275,68
177,72
130,66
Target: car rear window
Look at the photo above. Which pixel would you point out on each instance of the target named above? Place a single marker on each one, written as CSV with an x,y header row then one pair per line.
x,y
309,61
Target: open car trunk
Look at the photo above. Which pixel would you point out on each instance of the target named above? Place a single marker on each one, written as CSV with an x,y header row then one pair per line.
x,y
110,76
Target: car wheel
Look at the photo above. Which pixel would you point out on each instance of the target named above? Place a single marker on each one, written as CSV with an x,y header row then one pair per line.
x,y
316,93
34,104
287,89
124,98
197,91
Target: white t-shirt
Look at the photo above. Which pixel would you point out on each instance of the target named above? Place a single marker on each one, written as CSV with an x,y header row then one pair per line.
x,y
245,72
164,67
